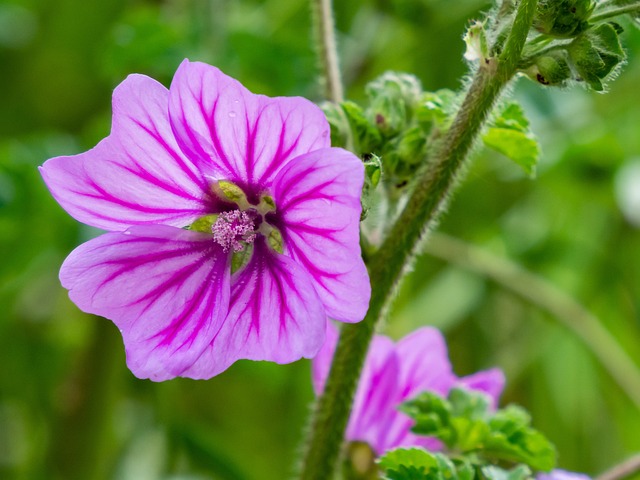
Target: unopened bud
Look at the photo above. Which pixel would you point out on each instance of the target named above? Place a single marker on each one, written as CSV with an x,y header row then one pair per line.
x,y
596,54
563,18
551,69
393,97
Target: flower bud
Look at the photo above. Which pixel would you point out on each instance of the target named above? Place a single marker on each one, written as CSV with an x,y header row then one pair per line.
x,y
596,54
552,69
393,97
563,18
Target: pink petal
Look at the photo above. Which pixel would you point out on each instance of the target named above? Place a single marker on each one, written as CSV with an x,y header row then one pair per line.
x,y
248,137
274,315
137,175
167,290
318,201
424,363
376,399
490,382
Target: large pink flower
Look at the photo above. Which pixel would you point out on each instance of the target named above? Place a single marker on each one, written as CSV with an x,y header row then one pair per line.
x,y
393,374
233,226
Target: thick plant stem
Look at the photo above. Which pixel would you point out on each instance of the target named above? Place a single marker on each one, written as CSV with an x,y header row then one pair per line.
x,y
324,32
427,201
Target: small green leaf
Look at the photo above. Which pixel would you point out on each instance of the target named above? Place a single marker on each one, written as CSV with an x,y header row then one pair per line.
x,y
408,464
466,425
510,135
521,472
365,136
596,54
436,108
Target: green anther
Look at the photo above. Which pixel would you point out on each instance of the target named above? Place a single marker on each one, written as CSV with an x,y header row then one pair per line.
x,y
241,258
266,205
275,240
203,224
230,191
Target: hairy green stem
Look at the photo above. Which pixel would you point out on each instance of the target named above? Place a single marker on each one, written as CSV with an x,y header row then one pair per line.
x,y
324,32
433,187
631,8
543,294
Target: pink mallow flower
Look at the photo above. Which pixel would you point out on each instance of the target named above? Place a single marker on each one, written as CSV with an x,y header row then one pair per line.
x,y
233,226
394,373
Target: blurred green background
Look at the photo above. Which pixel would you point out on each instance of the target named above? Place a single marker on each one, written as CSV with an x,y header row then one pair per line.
x,y
69,408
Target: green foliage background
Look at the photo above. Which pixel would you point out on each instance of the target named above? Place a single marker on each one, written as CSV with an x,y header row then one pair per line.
x,y
69,408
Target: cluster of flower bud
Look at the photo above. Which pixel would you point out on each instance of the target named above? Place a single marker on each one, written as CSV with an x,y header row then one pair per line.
x,y
591,57
564,18
386,133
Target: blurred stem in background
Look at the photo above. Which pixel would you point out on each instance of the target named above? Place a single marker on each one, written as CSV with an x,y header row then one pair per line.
x,y
623,470
82,435
432,190
543,294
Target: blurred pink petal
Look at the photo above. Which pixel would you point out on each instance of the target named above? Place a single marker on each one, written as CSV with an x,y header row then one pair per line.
x,y
393,374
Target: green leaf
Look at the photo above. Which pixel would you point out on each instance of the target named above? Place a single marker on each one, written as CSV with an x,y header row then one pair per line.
x,y
596,54
510,135
365,136
408,464
521,472
437,109
465,424
432,414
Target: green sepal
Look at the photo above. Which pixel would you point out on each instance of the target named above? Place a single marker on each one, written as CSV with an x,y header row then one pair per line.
x,y
408,464
203,224
266,205
596,54
275,240
521,472
510,135
231,192
241,258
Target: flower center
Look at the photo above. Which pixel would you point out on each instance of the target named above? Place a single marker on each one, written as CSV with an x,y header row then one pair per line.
x,y
234,230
